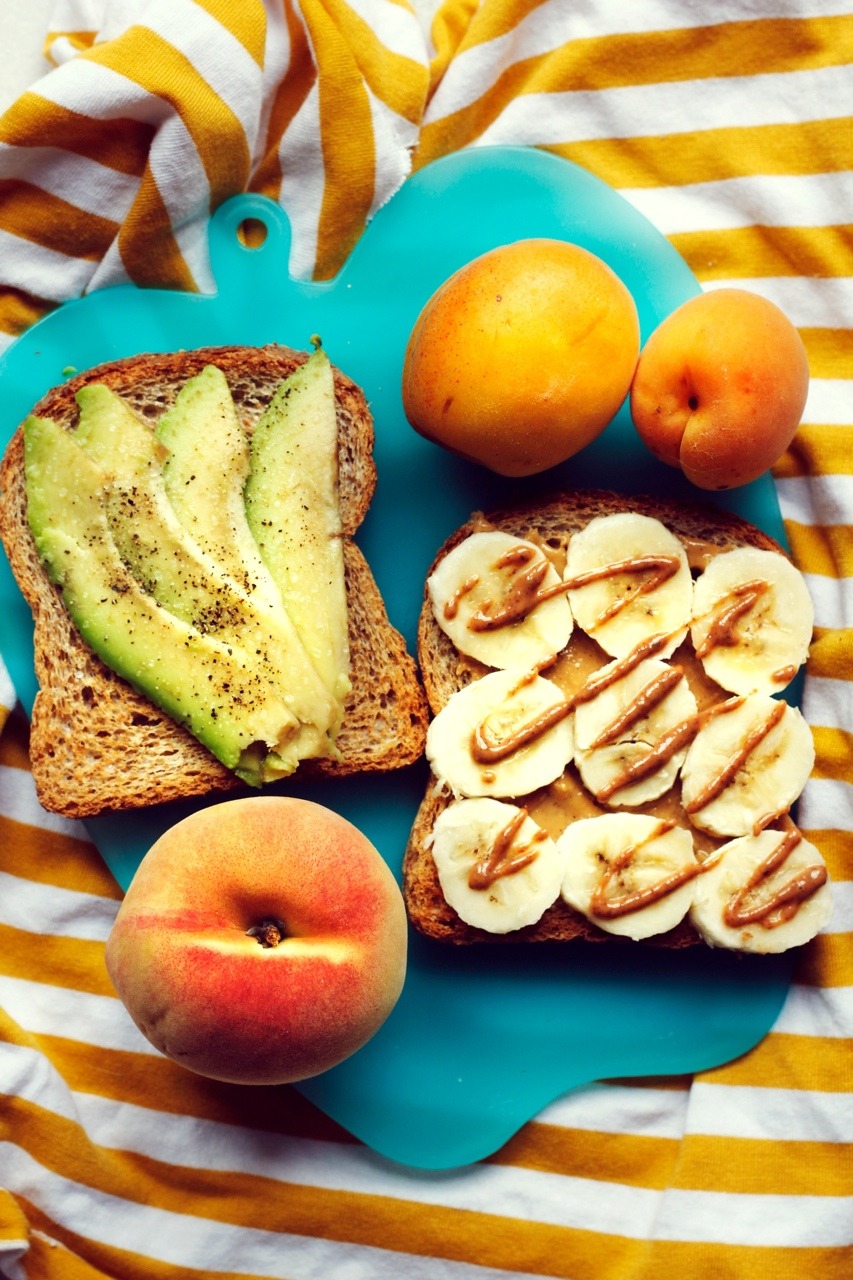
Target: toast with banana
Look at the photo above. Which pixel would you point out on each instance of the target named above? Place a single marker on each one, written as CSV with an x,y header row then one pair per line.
x,y
183,526
610,757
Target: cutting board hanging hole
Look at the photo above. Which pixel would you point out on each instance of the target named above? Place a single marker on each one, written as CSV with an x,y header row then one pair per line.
x,y
252,233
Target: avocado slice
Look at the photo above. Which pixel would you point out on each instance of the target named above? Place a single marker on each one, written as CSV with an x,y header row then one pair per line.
x,y
184,579
205,468
209,684
149,539
293,512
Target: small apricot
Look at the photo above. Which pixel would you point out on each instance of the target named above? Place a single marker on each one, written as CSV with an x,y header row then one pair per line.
x,y
522,357
720,387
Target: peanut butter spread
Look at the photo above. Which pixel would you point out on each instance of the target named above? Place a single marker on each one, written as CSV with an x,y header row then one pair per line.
x,y
577,672
567,799
583,670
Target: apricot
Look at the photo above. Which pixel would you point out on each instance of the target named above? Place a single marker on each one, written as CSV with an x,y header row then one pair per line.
x,y
261,941
720,387
522,357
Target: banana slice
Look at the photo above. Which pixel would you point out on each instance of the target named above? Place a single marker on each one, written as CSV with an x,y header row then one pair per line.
x,y
629,873
632,737
490,594
631,581
498,869
763,893
753,620
506,734
747,764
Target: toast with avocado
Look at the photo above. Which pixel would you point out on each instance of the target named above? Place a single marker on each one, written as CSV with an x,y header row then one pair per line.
x,y
182,527
611,757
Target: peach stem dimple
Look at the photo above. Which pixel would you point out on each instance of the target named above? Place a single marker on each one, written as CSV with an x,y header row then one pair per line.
x,y
269,932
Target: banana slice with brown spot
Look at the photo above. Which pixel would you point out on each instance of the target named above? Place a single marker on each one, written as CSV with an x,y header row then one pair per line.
x,y
629,580
747,764
763,893
498,869
753,620
506,734
629,873
501,601
631,738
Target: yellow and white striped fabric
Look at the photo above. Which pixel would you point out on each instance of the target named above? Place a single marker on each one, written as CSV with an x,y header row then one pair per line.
x,y
727,124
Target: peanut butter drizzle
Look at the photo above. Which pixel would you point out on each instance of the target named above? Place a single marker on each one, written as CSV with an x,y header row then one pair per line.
x,y
659,569
607,908
664,749
651,694
524,594
785,674
567,800
555,807
526,590
451,606
671,742
721,631
785,902
497,861
765,821
603,679
737,760
486,750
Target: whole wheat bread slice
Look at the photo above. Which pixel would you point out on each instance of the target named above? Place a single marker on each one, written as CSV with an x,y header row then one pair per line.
x,y
444,671
96,743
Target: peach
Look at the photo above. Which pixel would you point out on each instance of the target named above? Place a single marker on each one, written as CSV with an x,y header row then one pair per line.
x,y
261,941
720,387
521,358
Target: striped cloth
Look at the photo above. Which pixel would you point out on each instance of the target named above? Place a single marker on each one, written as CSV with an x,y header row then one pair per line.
x,y
724,123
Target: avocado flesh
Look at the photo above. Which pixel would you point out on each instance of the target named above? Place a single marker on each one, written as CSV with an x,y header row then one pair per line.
x,y
293,512
204,480
190,583
210,685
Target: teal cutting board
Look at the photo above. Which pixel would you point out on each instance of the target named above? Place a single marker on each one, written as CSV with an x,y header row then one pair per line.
x,y
483,1038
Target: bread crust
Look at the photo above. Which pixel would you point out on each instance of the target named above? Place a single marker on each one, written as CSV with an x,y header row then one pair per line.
x,y
96,744
552,520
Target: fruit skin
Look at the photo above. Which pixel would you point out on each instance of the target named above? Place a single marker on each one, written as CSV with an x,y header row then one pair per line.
x,y
720,388
521,358
208,994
